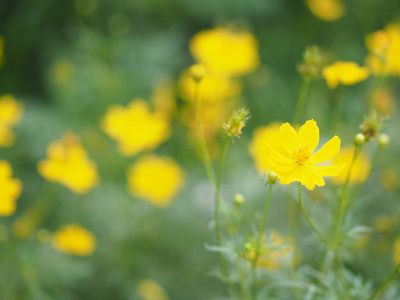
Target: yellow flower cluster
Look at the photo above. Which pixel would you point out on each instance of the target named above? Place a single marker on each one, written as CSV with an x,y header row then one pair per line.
x,y
326,10
361,166
155,179
345,73
73,239
290,155
136,128
384,48
150,290
68,164
10,189
10,113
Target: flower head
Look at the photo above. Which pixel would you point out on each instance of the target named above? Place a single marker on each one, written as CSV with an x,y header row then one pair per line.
x,y
155,179
150,290
68,164
225,51
292,155
326,10
136,128
345,73
10,114
233,127
73,239
10,189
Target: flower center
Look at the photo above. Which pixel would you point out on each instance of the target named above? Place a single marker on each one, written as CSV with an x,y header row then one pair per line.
x,y
301,155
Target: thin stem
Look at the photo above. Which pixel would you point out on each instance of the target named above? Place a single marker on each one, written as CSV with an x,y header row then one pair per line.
x,y
385,282
200,136
301,101
337,109
315,228
258,245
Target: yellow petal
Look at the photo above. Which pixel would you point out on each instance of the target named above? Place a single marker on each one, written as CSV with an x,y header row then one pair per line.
x,y
309,135
288,138
328,170
329,150
310,178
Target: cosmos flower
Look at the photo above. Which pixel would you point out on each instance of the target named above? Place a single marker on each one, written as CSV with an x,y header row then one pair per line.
x,y
345,73
10,189
326,10
73,239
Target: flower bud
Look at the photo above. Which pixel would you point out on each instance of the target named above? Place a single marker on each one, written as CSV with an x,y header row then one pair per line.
x,y
238,199
359,139
383,140
311,63
236,122
371,126
272,177
197,72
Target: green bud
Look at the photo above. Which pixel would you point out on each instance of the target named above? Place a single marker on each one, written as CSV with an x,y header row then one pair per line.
x,y
359,139
272,177
383,140
311,64
238,199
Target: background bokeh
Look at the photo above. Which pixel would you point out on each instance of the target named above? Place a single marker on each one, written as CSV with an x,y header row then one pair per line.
x,y
69,61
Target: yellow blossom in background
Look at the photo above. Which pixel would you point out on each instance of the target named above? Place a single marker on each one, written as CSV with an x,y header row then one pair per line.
x,y
390,179
361,167
68,163
345,73
163,96
262,137
73,239
326,10
135,127
384,102
291,156
384,47
274,251
225,51
10,189
212,88
150,290
155,179
10,114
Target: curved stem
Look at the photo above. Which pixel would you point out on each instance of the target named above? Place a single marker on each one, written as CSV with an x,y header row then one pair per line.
x,y
200,137
301,101
258,245
385,282
313,226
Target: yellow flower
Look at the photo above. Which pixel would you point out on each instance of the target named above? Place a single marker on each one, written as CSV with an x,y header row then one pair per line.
x,y
73,239
135,127
212,88
262,137
163,96
274,251
291,155
69,165
326,10
155,179
225,51
384,101
150,290
384,46
361,167
10,114
10,189
346,73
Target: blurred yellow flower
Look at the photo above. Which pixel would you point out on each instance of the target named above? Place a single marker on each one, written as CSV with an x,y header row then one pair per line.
x,y
384,46
163,96
390,179
150,290
10,114
225,51
274,250
361,167
68,164
136,128
212,88
155,179
262,137
73,239
291,156
326,10
384,102
346,73
10,189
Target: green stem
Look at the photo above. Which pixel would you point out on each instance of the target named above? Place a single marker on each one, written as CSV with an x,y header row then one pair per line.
x,y
301,101
258,245
218,235
337,108
340,215
313,226
200,136
384,283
